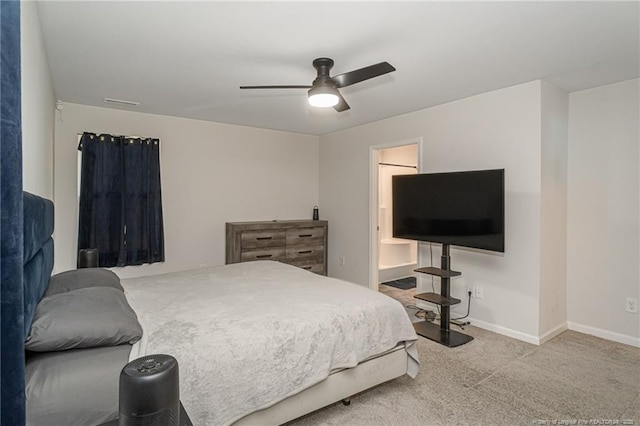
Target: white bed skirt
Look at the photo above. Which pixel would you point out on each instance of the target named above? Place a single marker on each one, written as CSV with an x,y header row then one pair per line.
x,y
338,386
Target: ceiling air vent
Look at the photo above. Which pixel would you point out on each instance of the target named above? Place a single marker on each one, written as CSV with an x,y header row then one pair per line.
x,y
120,102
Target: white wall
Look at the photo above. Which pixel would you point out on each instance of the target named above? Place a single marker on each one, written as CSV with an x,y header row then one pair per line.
x,y
603,210
406,155
211,174
500,129
38,103
553,211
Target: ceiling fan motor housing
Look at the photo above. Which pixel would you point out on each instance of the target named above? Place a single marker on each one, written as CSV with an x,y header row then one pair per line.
x,y
323,65
323,80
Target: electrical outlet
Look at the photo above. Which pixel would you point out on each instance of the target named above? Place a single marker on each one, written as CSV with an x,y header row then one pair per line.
x,y
478,292
632,305
342,261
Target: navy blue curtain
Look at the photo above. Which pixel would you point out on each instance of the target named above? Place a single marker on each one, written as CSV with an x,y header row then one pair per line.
x,y
143,201
120,200
12,403
101,213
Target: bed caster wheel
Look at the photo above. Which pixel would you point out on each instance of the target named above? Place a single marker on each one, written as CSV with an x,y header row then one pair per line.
x,y
346,401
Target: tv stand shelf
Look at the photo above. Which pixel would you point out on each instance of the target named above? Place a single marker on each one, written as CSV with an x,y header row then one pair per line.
x,y
438,272
438,299
441,334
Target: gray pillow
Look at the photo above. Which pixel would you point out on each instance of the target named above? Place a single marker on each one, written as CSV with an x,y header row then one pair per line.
x,y
84,318
82,278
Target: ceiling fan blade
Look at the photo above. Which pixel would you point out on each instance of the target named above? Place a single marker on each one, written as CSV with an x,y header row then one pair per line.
x,y
275,87
362,74
342,105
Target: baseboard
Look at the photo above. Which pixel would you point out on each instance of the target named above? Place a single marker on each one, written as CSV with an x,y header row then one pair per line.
x,y
529,338
486,325
605,334
598,332
553,333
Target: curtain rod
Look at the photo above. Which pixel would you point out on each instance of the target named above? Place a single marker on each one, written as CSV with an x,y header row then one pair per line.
x,y
397,165
119,136
157,140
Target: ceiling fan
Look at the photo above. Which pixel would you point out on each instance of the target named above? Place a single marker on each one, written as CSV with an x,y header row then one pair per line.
x,y
323,92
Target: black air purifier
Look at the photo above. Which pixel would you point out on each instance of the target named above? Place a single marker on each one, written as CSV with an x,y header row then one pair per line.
x,y
150,392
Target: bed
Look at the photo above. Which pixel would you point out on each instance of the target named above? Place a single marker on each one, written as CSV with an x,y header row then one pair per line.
x,y
257,343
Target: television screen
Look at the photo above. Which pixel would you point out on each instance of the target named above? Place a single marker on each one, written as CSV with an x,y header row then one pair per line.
x,y
461,208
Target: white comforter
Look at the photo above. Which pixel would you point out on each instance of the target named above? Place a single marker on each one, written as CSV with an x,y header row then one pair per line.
x,y
248,335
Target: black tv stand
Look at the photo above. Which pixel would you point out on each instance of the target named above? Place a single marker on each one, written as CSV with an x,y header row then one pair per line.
x,y
441,334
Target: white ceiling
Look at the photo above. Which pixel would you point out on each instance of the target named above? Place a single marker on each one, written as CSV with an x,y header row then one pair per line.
x,y
187,59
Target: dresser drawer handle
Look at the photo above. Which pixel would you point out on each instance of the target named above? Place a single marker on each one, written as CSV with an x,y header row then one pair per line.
x,y
305,235
264,238
305,251
263,256
307,267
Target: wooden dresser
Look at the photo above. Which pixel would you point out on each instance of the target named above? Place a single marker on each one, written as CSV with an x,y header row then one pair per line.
x,y
302,243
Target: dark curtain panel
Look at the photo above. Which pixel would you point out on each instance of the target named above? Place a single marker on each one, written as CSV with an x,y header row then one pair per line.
x,y
143,213
12,403
120,200
101,215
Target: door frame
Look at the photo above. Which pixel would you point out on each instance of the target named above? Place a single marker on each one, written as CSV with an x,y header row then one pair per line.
x,y
374,238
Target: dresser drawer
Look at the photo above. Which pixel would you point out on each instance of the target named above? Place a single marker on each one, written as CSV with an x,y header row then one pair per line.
x,y
305,236
259,239
277,253
305,253
317,268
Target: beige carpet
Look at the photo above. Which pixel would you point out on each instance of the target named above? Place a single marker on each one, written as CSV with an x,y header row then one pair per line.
x,y
496,380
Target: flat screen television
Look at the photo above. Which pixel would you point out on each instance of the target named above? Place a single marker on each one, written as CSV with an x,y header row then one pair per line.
x,y
463,209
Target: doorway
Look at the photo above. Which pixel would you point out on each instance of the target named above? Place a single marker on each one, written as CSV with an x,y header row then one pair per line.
x,y
392,259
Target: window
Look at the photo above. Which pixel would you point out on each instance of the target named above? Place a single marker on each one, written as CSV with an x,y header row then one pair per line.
x,y
120,199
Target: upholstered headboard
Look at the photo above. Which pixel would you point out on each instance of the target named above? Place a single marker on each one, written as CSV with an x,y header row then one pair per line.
x,y
38,253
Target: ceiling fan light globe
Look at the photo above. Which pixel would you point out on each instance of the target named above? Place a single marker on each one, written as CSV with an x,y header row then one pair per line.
x,y
323,100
